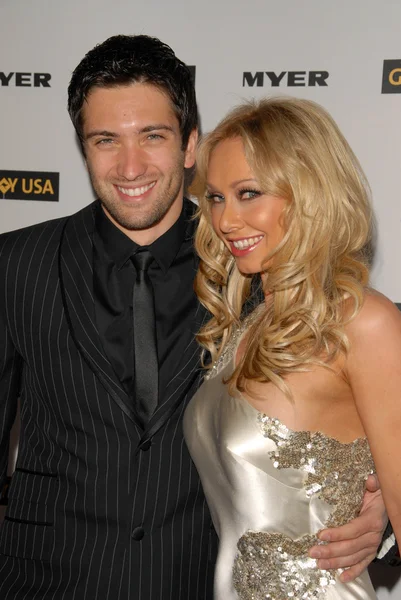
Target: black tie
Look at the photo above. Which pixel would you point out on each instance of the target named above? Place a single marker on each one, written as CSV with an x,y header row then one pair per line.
x,y
145,345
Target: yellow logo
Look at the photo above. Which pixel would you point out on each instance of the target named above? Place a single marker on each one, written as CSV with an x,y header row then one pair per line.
x,y
37,186
395,76
28,185
391,82
7,184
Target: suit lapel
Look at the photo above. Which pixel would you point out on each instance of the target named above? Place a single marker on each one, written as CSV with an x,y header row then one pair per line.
x,y
76,284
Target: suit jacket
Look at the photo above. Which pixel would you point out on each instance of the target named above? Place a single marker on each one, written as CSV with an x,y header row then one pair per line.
x,y
98,507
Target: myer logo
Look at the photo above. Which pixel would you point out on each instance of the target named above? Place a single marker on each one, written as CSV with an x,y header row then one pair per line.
x,y
29,185
391,83
25,79
285,78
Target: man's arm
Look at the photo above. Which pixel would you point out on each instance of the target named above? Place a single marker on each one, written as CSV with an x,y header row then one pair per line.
x,y
355,545
388,552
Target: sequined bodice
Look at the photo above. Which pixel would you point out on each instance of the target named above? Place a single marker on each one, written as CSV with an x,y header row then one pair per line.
x,y
270,491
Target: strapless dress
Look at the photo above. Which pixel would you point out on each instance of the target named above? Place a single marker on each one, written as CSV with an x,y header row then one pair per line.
x,y
270,490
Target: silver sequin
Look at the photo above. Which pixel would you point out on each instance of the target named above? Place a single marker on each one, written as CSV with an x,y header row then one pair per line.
x,y
274,566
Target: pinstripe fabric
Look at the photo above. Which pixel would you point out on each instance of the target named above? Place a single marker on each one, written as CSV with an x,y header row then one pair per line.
x,y
86,474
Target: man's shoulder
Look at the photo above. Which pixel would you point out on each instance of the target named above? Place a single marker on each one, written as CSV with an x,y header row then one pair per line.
x,y
31,231
37,237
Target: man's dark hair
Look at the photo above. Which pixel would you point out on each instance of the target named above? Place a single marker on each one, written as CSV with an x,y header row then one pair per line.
x,y
126,59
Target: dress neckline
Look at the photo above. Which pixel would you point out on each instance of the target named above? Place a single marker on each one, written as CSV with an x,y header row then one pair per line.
x,y
229,357
288,431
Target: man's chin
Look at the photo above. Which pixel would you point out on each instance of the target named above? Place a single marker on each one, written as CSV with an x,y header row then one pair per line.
x,y
124,221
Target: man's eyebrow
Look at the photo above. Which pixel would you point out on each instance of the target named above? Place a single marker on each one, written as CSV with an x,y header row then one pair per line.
x,y
112,134
103,133
156,127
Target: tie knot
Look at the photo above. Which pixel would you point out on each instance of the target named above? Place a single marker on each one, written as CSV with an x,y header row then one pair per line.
x,y
142,259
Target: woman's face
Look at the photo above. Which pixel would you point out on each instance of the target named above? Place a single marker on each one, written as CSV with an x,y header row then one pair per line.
x,y
249,222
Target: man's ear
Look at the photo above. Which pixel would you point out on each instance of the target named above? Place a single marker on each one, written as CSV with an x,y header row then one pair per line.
x,y
190,152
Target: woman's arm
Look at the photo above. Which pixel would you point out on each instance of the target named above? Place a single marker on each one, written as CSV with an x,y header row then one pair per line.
x,y
374,373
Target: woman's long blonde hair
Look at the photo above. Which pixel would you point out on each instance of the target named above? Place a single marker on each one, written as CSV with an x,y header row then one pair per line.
x,y
296,152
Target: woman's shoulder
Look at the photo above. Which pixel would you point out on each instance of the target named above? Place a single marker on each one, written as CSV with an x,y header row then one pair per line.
x,y
377,314
376,329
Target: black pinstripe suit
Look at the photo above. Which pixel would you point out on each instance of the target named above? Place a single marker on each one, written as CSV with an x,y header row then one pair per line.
x,y
95,511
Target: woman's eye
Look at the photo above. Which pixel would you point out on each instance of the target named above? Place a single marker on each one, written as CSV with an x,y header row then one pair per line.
x,y
249,194
214,198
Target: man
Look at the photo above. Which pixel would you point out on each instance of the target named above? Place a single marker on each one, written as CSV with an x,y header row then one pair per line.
x,y
97,322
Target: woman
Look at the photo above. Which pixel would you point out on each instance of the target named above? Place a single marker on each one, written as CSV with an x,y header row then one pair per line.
x,y
305,390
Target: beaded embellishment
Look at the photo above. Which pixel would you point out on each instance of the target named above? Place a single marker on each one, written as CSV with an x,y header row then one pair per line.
x,y
275,567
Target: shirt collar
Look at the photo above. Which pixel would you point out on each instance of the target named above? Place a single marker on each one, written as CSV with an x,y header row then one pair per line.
x,y
120,247
166,247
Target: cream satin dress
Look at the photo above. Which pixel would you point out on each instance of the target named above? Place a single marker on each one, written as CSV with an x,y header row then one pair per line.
x,y
270,490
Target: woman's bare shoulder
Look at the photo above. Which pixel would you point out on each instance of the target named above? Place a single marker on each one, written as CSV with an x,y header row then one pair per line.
x,y
377,322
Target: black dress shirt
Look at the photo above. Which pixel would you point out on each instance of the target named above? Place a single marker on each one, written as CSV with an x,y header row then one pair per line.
x,y
172,274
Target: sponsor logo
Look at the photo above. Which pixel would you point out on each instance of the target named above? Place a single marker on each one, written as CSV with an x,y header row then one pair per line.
x,y
29,185
391,83
285,78
25,79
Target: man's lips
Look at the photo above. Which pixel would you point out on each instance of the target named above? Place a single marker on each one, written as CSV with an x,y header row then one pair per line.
x,y
135,192
244,245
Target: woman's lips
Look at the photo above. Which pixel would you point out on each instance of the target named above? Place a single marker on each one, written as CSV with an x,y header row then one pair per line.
x,y
245,245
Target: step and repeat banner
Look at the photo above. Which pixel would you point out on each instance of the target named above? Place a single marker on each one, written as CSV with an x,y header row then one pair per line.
x,y
345,55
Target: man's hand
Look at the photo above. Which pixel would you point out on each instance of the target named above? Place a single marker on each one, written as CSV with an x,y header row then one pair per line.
x,y
354,546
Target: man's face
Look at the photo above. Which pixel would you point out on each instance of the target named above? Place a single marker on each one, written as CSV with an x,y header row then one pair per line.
x,y
133,152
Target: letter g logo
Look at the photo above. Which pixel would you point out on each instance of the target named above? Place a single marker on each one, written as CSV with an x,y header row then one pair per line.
x,y
391,82
395,77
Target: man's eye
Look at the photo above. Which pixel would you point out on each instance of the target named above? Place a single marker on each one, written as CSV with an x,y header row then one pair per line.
x,y
155,136
104,142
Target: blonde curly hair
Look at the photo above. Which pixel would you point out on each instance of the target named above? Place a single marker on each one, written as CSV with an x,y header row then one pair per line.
x,y
296,152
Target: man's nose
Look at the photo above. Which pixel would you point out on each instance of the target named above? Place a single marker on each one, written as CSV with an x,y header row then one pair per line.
x,y
131,163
